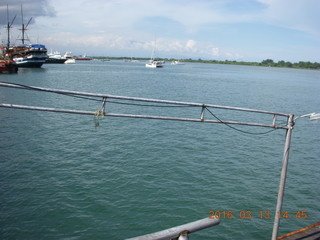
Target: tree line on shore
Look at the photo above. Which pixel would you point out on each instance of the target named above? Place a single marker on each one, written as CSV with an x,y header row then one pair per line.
x,y
264,63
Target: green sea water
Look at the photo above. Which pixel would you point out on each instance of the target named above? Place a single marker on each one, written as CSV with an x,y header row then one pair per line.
x,y
62,177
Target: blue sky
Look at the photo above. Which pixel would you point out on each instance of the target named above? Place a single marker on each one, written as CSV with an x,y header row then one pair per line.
x,y
242,30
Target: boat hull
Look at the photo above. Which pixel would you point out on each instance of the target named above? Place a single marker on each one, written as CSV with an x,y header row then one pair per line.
x,y
83,59
29,56
70,61
55,61
154,64
29,62
8,66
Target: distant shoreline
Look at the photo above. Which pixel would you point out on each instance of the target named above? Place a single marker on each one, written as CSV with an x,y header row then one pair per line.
x,y
264,63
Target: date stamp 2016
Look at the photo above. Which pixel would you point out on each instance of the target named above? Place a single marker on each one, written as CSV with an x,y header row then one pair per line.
x,y
258,214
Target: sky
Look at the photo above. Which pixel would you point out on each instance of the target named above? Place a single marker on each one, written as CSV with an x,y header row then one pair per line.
x,y
240,30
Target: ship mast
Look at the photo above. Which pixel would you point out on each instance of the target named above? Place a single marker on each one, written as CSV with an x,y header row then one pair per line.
x,y
9,25
24,27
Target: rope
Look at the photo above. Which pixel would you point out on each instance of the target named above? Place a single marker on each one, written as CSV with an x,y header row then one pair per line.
x,y
97,99
51,91
99,114
237,129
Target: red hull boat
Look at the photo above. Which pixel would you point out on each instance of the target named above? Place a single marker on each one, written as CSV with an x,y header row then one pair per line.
x,y
7,65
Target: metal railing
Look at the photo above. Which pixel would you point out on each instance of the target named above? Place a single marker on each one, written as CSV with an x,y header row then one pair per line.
x,y
180,232
103,98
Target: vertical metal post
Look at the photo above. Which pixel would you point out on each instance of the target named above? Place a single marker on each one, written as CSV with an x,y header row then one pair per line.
x,y
283,177
274,120
202,112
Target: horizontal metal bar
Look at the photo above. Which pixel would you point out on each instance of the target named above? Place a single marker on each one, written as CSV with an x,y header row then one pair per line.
x,y
193,120
5,105
12,85
176,231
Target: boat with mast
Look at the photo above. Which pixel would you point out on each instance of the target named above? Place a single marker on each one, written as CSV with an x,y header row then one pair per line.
x,y
152,62
26,55
7,65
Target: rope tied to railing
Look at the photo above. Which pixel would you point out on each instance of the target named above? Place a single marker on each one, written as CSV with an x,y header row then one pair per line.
x,y
100,113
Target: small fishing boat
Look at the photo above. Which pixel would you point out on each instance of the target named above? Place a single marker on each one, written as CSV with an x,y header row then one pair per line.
x,y
7,65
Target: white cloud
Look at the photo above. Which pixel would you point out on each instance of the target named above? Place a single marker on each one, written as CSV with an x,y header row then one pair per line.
x,y
99,27
233,56
31,8
293,14
215,52
190,45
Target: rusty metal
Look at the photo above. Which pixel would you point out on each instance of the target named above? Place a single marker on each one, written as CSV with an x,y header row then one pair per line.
x,y
310,232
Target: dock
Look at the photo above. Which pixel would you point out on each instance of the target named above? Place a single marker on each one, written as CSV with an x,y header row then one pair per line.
x,y
311,232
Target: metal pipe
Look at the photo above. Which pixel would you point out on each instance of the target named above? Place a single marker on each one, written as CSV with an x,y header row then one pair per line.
x,y
202,112
283,178
289,126
12,85
274,120
6,105
176,231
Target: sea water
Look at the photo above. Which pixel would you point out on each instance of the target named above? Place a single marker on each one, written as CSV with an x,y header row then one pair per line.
x,y
66,176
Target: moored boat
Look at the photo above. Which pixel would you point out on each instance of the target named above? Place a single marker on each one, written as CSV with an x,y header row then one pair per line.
x,y
28,55
69,57
83,58
70,61
314,116
7,65
154,64
176,62
55,57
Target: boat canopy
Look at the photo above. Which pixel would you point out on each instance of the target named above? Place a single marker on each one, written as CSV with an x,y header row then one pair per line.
x,y
32,45
37,46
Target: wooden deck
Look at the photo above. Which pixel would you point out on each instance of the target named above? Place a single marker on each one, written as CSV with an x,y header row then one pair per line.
x,y
311,232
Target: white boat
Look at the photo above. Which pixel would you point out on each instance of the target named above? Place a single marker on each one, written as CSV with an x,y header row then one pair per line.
x,y
154,64
176,62
55,57
70,61
69,57
314,116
